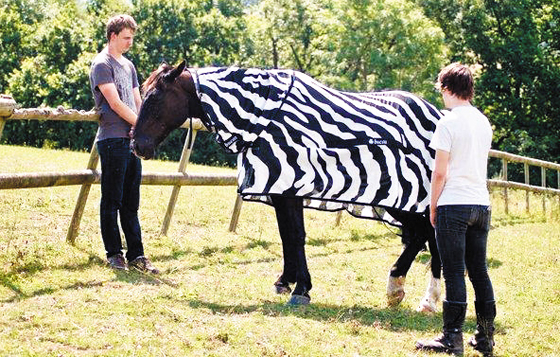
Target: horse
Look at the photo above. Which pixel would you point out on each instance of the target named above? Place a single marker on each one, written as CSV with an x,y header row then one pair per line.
x,y
284,162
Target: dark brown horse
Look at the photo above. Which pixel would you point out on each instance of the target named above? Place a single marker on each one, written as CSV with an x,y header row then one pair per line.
x,y
171,97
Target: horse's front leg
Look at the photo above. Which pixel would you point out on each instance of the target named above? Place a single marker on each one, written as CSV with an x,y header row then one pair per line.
x,y
289,273
289,214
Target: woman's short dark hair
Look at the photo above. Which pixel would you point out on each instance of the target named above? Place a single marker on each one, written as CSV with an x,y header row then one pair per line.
x,y
118,23
458,79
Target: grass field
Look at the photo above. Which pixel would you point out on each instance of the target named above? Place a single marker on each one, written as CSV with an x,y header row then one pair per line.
x,y
215,296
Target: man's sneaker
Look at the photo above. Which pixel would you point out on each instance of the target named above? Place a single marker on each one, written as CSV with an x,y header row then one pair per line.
x,y
142,264
117,262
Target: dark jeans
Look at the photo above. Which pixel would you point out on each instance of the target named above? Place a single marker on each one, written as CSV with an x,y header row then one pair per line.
x,y
461,235
121,173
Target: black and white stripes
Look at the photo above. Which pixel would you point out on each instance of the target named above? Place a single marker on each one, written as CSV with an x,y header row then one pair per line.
x,y
299,138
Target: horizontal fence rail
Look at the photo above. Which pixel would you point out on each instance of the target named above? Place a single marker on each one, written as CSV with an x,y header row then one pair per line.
x,y
522,186
10,111
522,159
527,187
62,114
81,177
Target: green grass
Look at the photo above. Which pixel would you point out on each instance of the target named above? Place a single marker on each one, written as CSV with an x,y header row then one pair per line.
x,y
215,297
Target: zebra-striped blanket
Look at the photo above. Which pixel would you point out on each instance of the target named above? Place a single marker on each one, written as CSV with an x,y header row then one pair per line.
x,y
337,150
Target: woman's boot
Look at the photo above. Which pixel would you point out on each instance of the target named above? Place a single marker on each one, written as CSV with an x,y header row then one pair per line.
x,y
483,339
451,342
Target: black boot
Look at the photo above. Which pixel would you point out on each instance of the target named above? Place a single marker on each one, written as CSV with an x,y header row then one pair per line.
x,y
451,342
483,339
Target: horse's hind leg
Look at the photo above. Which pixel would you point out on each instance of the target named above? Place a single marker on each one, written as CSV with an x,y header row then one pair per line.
x,y
289,213
416,230
397,274
433,291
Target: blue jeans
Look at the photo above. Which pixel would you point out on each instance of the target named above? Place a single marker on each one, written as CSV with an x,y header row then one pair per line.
x,y
121,173
462,235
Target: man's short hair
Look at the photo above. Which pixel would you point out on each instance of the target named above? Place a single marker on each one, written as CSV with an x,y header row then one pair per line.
x,y
118,23
458,79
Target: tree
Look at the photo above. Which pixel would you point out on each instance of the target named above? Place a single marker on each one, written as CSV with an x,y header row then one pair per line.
x,y
16,21
516,45
287,34
388,44
352,45
51,70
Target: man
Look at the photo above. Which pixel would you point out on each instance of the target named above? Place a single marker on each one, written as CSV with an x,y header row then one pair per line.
x,y
460,213
115,88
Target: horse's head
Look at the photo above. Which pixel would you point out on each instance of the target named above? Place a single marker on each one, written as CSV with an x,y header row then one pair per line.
x,y
170,98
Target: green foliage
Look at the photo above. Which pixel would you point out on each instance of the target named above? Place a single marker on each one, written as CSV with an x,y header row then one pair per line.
x,y
388,44
287,34
53,72
11,29
352,45
206,150
166,33
516,46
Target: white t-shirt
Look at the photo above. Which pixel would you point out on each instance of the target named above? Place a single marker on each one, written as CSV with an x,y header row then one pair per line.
x,y
466,135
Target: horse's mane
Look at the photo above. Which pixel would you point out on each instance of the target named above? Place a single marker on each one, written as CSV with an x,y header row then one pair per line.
x,y
154,78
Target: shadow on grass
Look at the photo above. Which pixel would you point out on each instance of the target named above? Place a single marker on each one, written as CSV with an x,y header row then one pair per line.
x,y
131,277
12,278
215,251
394,319
354,237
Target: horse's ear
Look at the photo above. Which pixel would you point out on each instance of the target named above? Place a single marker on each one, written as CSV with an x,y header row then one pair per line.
x,y
175,72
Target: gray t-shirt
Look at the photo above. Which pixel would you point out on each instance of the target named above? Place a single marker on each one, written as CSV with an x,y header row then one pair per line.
x,y
106,69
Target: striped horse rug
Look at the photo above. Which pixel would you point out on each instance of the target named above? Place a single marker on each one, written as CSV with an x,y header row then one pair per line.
x,y
337,150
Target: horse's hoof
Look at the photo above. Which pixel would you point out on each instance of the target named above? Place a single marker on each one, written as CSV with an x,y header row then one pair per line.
x,y
395,299
282,289
427,307
430,300
395,290
297,300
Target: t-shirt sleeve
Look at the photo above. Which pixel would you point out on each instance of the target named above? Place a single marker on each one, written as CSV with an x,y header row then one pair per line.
x,y
100,74
442,137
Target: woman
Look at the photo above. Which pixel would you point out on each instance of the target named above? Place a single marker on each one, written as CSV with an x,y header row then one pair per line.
x,y
460,212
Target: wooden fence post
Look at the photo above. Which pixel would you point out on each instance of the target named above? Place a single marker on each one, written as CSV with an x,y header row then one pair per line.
x,y
338,218
543,184
504,173
2,123
236,213
526,169
7,106
82,198
185,156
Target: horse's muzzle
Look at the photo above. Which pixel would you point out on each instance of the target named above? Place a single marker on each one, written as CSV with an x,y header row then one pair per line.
x,y
143,148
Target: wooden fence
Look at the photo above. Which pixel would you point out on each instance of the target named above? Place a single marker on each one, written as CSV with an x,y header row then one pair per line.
x,y
526,186
89,176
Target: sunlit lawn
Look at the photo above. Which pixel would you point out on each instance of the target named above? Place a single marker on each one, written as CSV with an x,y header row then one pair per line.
x,y
215,297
